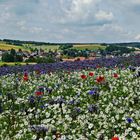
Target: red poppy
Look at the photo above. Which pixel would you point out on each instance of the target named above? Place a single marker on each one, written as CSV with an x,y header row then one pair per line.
x,y
91,74
115,75
38,93
100,79
83,76
25,77
115,138
25,74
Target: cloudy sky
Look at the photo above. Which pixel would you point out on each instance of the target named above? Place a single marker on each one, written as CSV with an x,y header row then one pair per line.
x,y
70,20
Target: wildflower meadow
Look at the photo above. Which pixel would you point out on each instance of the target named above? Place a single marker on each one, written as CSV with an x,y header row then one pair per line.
x,y
86,100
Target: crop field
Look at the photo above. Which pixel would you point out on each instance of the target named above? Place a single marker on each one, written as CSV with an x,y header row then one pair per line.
x,y
90,47
4,46
87,100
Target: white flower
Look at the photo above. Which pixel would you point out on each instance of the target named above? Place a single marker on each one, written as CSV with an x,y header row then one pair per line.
x,y
47,114
34,137
90,125
70,137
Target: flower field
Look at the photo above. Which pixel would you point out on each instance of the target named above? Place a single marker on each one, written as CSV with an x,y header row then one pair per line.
x,y
88,100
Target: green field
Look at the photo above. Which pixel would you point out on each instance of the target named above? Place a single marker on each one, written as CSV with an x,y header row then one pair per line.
x,y
89,46
46,47
4,46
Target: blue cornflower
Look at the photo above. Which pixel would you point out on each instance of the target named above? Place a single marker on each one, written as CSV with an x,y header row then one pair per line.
x,y
49,90
92,108
91,92
42,106
129,120
71,102
77,109
31,99
60,100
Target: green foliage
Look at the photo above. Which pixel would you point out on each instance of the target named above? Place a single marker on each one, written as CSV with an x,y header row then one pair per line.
x,y
116,50
45,60
65,46
13,52
6,57
11,56
30,59
41,59
76,53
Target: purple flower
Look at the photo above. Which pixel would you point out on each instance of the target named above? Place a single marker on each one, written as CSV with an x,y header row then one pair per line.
x,y
93,108
77,109
71,102
49,90
39,128
91,92
61,100
31,99
42,106
129,120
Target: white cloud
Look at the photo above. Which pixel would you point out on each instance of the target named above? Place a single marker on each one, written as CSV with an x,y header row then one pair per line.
x,y
112,28
135,1
70,20
137,37
104,16
81,8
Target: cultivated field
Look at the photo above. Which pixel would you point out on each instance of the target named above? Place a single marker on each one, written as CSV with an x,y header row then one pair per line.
x,y
4,46
89,46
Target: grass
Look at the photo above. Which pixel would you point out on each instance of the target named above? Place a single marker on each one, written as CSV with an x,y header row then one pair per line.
x,y
14,63
89,46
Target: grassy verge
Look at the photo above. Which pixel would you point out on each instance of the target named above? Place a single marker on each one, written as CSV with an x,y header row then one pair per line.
x,y
14,63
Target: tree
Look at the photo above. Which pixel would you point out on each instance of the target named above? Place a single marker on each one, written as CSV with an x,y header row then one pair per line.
x,y
13,52
12,56
6,57
65,46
